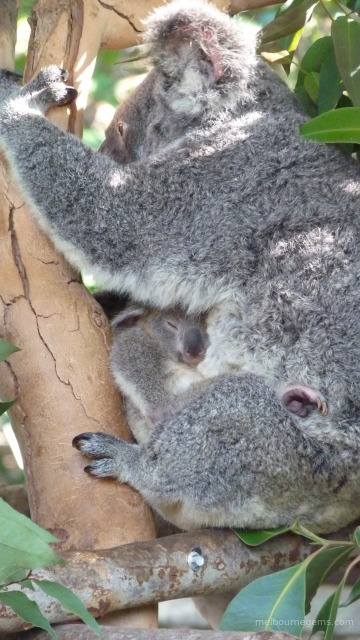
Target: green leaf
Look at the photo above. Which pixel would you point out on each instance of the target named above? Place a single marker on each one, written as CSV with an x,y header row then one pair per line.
x,y
321,565
338,125
353,595
346,37
330,84
68,601
4,406
23,545
325,619
288,22
27,609
313,58
6,349
309,106
311,84
254,538
274,602
300,530
357,536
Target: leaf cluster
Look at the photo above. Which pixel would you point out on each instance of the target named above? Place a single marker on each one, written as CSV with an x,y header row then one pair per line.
x,y
25,546
328,76
280,601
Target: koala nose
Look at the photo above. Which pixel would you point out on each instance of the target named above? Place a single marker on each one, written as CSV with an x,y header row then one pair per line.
x,y
194,347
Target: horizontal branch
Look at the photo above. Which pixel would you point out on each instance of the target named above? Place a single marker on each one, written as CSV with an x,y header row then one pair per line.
x,y
79,632
151,571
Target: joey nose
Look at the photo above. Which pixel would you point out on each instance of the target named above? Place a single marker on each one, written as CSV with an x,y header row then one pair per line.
x,y
194,347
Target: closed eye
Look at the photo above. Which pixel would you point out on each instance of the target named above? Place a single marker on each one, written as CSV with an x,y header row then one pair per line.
x,y
170,324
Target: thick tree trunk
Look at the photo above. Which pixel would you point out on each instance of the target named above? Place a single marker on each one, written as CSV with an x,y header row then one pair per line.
x,y
61,377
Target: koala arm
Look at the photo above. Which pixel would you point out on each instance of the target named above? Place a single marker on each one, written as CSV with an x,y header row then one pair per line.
x,y
101,215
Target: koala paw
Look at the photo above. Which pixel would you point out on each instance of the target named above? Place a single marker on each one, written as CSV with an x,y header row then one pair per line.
x,y
48,88
106,450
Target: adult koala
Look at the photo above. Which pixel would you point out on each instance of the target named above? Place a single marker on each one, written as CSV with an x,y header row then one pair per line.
x,y
220,206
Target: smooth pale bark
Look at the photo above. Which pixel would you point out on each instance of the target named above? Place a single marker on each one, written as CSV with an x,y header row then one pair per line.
x,y
60,377
142,573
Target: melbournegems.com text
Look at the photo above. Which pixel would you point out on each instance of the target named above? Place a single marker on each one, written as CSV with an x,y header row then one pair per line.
x,y
278,622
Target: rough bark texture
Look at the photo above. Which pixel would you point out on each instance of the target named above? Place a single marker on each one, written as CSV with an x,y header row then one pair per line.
x,y
60,377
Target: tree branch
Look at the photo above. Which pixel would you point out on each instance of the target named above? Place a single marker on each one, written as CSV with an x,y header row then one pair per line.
x,y
156,570
79,632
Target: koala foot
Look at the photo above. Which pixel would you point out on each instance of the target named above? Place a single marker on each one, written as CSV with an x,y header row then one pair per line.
x,y
48,88
111,454
301,400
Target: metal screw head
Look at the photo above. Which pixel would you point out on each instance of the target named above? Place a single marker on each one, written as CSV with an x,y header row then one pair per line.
x,y
195,559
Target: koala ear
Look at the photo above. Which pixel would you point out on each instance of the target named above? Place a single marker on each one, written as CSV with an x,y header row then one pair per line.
x,y
128,317
205,39
111,302
208,45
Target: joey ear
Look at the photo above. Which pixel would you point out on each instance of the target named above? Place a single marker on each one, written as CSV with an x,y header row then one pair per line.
x,y
128,317
112,303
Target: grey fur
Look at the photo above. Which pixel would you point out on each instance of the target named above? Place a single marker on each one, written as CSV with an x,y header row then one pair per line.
x,y
154,359
229,210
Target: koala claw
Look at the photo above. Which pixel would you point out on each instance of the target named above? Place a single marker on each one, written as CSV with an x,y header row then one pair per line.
x,y
105,449
50,88
300,399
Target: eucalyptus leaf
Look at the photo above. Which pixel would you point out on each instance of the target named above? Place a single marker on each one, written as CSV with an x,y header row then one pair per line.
x,y
338,125
288,22
27,609
274,602
69,601
325,619
254,538
4,406
357,536
6,349
311,84
23,544
313,59
321,565
346,37
330,84
353,595
309,106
